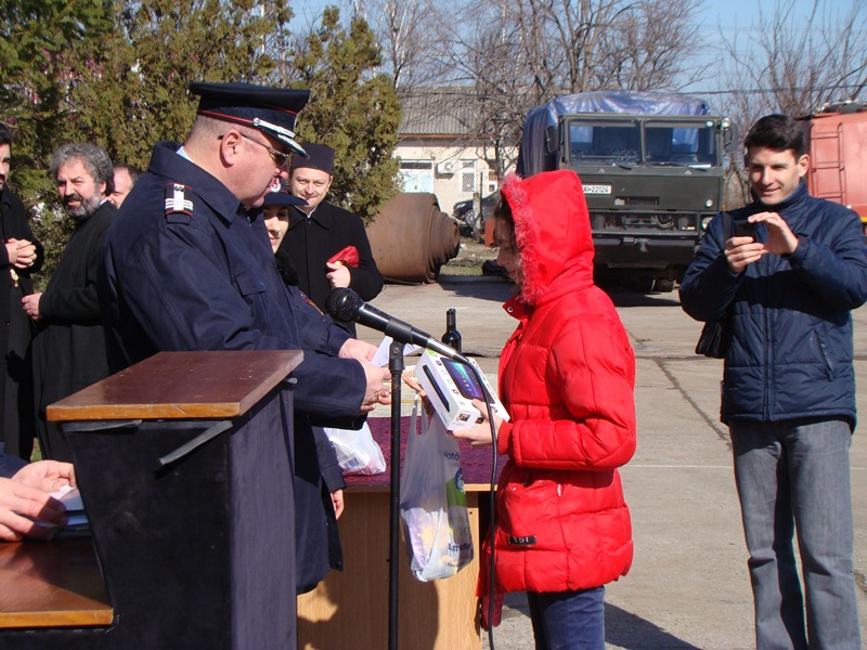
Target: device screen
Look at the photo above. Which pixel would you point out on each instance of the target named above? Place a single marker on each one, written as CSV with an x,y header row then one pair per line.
x,y
436,387
744,229
464,379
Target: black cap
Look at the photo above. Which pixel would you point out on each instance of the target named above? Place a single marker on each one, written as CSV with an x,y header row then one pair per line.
x,y
319,156
282,198
270,110
279,195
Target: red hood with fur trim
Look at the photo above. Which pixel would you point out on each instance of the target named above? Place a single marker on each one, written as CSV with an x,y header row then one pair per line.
x,y
552,230
566,377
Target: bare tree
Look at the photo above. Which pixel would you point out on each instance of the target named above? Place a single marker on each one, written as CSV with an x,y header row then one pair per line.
x,y
577,30
485,65
516,54
488,97
799,63
406,31
647,47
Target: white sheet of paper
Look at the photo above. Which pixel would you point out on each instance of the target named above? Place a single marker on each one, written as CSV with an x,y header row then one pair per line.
x,y
70,497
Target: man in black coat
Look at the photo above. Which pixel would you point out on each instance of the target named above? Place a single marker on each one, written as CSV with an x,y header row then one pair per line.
x,y
21,256
320,230
69,350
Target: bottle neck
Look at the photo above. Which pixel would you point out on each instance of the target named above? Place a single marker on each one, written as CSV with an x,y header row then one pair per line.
x,y
452,337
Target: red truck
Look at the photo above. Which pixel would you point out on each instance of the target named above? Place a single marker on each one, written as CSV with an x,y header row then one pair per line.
x,y
838,155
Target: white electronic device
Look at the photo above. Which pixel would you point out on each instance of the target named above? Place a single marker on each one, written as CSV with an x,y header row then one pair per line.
x,y
451,387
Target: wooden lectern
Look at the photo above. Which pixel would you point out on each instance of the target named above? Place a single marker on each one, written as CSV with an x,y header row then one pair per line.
x,y
184,462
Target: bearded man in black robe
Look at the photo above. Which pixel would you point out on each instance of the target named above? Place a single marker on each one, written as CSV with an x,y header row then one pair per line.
x,y
69,350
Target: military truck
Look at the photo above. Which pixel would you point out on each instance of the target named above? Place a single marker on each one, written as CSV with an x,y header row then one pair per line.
x,y
652,169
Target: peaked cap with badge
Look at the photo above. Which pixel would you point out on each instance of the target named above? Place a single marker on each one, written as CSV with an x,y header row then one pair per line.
x,y
272,111
269,110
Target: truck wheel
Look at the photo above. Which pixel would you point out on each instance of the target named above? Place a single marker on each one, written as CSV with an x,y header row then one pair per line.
x,y
663,285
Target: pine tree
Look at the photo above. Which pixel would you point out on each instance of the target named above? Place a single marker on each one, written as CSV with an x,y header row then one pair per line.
x,y
41,45
137,91
351,109
116,73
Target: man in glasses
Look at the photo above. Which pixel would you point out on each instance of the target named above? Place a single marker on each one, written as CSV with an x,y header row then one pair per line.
x,y
197,277
187,268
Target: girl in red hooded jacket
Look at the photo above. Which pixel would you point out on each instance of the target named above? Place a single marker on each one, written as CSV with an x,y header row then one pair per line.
x,y
566,377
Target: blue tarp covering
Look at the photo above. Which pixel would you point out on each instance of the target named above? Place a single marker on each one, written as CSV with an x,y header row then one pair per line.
x,y
533,158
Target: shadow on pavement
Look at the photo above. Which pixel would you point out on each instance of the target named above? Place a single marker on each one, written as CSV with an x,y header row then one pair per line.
x,y
493,289
627,630
622,298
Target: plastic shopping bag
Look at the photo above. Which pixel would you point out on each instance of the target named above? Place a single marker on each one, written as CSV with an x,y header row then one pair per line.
x,y
433,504
357,451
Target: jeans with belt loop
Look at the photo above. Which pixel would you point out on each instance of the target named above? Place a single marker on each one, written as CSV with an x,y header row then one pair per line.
x,y
794,476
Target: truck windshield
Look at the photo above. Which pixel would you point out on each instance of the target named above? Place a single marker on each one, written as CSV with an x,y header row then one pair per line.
x,y
614,142
679,144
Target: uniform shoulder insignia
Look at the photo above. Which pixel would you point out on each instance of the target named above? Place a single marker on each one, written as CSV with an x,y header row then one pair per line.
x,y
177,201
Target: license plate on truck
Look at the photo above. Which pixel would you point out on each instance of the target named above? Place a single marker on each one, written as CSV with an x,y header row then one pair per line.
x,y
597,189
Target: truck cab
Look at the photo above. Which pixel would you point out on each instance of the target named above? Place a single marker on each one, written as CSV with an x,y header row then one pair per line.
x,y
651,166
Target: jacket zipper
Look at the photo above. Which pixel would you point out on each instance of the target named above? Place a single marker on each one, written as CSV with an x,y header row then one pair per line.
x,y
824,350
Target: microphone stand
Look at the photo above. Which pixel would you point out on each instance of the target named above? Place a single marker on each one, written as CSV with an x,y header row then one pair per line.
x,y
395,365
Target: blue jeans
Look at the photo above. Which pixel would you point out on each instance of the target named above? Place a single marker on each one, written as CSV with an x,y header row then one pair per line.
x,y
794,475
568,620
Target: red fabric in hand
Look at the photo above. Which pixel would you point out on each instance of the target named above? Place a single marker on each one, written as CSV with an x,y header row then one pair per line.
x,y
348,255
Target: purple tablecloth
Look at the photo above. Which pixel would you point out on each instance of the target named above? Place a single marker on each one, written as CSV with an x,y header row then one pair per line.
x,y
475,461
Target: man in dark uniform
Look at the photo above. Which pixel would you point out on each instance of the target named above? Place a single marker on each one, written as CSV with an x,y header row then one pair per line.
x,y
319,230
69,346
188,268
21,256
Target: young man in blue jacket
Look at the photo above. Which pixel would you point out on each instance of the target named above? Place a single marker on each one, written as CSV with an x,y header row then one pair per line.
x,y
785,274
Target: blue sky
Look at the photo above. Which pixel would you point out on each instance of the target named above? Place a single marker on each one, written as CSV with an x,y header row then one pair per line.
x,y
720,21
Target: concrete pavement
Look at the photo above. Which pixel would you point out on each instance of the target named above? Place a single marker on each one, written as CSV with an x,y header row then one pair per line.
x,y
688,587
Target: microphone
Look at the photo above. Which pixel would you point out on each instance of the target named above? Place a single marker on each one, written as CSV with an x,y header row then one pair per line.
x,y
345,305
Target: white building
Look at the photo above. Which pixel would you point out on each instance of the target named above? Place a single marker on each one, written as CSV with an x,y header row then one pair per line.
x,y
436,151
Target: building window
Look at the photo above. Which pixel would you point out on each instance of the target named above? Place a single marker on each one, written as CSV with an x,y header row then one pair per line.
x,y
415,164
416,175
468,176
